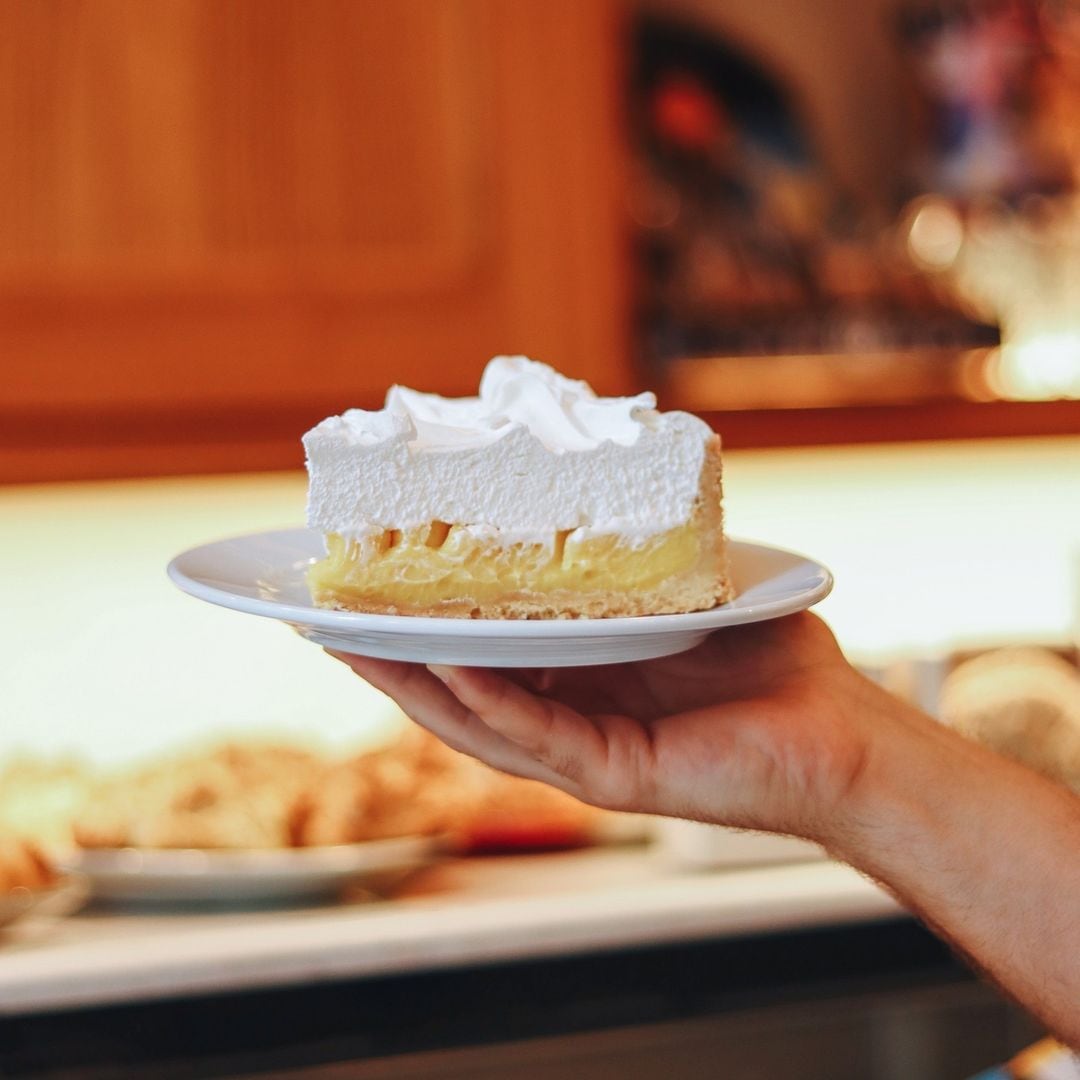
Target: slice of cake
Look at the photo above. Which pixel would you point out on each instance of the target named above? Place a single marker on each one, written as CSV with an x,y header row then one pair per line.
x,y
536,499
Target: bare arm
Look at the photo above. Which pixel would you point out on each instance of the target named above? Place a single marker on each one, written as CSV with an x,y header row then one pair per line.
x,y
768,727
984,850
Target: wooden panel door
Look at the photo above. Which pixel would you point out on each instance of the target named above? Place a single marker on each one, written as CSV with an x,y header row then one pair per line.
x,y
220,221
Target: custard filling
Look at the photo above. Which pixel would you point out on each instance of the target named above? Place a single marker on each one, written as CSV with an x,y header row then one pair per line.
x,y
437,563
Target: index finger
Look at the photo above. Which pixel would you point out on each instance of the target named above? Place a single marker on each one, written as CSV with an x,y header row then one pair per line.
x,y
425,699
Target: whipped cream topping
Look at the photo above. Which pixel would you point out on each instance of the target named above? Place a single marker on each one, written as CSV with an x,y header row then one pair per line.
x,y
564,414
532,454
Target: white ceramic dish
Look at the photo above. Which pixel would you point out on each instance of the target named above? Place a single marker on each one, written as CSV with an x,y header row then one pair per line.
x,y
263,574
221,876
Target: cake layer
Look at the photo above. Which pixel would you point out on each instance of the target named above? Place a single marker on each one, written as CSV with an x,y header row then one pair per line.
x,y
469,576
432,567
469,572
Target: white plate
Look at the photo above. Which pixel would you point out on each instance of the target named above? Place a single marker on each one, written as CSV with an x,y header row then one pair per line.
x,y
243,876
263,574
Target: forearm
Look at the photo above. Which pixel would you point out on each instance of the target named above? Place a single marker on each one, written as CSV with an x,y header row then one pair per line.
x,y
986,851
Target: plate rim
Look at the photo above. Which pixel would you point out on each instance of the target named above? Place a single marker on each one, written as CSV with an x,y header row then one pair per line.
x,y
320,861
530,629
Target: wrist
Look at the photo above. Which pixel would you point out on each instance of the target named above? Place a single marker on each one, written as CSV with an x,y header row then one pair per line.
x,y
906,763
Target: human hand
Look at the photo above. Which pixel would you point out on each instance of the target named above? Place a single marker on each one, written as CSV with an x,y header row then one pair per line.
x,y
761,726
767,726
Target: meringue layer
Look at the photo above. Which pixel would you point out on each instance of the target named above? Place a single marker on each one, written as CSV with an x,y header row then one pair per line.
x,y
533,455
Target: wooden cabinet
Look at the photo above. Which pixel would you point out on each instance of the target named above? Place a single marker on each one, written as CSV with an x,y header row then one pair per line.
x,y
220,221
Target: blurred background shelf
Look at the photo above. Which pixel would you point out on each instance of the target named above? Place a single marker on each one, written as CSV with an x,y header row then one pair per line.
x,y
219,224
72,444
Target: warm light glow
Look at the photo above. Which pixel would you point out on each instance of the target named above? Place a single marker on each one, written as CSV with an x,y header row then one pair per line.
x,y
1021,269
1043,366
935,235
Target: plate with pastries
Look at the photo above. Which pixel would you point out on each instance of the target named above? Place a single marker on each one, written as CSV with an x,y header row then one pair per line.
x,y
31,883
250,823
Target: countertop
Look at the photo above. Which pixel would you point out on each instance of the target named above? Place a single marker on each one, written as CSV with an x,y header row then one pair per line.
x,y
458,913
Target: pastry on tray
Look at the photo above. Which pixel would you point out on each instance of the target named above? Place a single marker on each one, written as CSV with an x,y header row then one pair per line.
x,y
511,814
274,797
415,786
536,499
233,796
271,797
1022,702
23,866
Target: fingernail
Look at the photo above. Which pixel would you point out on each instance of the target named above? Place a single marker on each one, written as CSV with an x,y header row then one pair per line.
x,y
442,672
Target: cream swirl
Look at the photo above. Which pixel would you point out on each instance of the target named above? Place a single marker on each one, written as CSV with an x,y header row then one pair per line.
x,y
564,414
